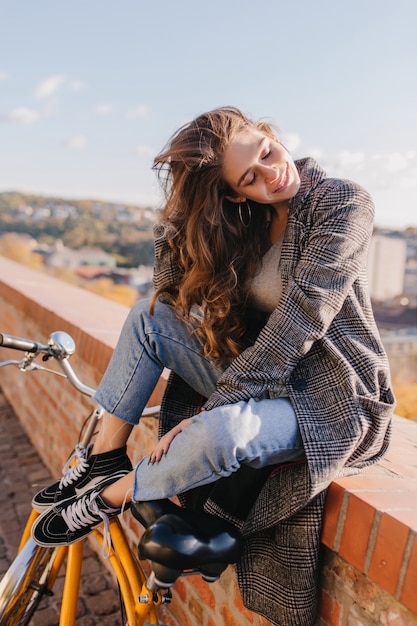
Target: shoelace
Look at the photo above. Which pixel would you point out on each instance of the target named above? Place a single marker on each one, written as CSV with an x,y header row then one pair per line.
x,y
73,473
85,512
78,514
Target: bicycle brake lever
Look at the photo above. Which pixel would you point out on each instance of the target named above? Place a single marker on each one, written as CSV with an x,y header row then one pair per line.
x,y
29,367
12,362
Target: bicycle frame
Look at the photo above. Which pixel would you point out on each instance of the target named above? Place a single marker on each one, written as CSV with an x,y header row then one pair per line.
x,y
139,601
130,577
196,543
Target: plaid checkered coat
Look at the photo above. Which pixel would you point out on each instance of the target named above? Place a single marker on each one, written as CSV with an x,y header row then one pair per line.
x,y
322,342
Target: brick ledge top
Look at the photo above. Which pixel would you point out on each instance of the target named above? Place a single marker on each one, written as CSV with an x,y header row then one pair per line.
x,y
80,308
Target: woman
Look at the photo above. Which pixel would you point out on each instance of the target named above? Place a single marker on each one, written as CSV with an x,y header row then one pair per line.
x,y
261,308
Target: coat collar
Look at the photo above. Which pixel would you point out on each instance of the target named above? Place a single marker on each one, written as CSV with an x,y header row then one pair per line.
x,y
311,176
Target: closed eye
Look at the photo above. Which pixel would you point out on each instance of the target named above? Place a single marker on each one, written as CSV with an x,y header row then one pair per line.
x,y
263,158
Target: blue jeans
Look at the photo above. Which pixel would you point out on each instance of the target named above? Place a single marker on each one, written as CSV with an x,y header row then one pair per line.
x,y
257,432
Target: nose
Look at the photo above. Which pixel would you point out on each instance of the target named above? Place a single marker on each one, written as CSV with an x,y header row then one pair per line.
x,y
270,173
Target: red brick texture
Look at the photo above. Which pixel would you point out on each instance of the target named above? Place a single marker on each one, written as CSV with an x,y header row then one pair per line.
x,y
371,518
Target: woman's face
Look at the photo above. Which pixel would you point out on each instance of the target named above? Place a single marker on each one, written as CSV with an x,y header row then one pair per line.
x,y
257,167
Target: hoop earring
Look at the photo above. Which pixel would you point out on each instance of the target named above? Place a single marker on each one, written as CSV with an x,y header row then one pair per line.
x,y
246,223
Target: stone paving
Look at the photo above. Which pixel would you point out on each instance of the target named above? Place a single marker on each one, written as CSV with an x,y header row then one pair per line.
x,y
21,469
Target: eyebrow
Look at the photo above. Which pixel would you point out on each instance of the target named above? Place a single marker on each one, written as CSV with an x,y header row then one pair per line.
x,y
249,168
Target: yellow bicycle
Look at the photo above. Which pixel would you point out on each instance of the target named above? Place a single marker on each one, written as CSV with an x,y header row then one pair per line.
x,y
176,541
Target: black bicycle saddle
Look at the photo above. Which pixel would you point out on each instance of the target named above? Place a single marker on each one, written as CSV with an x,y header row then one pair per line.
x,y
178,540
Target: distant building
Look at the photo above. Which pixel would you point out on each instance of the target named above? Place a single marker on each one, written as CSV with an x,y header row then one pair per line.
x,y
139,278
386,267
410,279
399,344
67,258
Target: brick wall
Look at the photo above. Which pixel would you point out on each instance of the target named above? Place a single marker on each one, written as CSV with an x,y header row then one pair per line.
x,y
369,573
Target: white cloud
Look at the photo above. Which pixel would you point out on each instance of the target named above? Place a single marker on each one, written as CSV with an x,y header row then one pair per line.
x,y
409,180
390,177
22,115
49,86
77,85
77,142
140,111
395,169
102,109
349,158
3,76
393,162
375,171
291,141
315,152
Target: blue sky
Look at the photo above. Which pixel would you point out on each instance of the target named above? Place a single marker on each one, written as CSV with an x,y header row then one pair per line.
x,y
91,90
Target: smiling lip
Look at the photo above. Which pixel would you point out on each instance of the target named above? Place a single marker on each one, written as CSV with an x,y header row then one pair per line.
x,y
283,181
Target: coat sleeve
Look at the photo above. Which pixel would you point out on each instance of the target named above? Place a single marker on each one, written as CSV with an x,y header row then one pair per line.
x,y
167,270
332,258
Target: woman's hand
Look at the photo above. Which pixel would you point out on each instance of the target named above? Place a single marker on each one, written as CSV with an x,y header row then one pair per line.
x,y
163,444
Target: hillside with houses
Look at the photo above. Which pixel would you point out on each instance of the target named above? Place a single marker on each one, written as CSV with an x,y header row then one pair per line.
x,y
123,231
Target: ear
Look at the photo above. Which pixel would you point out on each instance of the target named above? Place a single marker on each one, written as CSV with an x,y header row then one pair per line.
x,y
236,199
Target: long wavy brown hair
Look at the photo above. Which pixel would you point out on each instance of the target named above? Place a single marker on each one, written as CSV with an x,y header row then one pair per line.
x,y
218,253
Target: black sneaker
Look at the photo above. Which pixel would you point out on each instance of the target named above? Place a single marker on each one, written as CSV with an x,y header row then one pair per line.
x,y
88,472
73,519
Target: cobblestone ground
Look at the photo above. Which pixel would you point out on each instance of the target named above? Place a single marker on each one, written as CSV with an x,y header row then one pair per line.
x,y
21,469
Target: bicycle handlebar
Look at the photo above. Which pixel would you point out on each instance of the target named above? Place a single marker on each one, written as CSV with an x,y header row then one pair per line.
x,y
17,343
60,346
